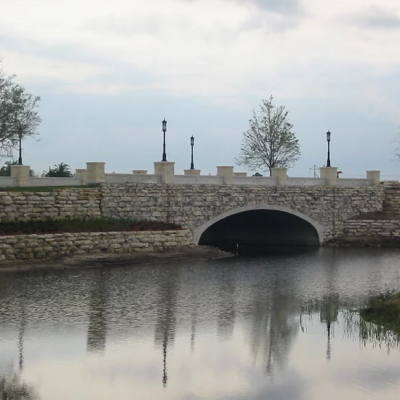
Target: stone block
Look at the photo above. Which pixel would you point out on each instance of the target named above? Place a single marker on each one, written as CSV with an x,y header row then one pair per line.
x,y
166,170
81,173
95,172
280,174
226,172
21,174
330,174
192,172
374,177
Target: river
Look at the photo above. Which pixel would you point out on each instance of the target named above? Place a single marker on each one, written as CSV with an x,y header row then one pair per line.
x,y
278,327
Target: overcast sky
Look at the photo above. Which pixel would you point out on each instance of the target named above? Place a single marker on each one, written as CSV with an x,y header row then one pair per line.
x,y
108,72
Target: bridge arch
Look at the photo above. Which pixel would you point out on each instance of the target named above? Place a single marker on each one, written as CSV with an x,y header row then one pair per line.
x,y
313,226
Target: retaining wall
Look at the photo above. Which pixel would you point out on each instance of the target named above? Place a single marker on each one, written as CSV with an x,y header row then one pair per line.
x,y
29,247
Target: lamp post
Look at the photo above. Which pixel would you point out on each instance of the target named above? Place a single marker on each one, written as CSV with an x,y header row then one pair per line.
x,y
192,144
20,149
164,129
328,139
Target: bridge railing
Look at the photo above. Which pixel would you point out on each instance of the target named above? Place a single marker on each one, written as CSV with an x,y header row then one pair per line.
x,y
164,173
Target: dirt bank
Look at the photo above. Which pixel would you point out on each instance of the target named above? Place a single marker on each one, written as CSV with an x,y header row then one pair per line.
x,y
187,253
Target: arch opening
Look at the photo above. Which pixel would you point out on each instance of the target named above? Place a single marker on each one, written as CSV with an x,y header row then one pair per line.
x,y
258,229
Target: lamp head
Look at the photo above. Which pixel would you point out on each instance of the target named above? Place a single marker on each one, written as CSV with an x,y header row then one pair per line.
x,y
328,136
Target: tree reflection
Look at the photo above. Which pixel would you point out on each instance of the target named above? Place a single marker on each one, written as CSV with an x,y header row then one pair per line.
x,y
13,388
97,328
164,333
273,331
226,315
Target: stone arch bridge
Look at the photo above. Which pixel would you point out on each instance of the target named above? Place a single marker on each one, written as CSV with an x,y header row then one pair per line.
x,y
291,215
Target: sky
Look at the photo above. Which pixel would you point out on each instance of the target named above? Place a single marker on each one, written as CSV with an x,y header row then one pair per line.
x,y
108,72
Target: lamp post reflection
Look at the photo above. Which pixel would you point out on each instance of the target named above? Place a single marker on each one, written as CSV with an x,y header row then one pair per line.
x,y
97,327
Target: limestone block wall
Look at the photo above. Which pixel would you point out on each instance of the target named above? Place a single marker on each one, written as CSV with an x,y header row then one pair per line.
x,y
29,247
193,205
372,228
29,206
392,199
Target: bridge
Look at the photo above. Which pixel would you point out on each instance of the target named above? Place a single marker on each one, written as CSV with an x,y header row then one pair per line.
x,y
228,208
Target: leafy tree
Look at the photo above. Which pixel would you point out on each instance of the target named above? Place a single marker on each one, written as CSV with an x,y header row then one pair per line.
x,y
59,170
269,142
19,117
5,170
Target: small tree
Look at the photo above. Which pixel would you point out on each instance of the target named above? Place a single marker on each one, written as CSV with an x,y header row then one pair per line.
x,y
5,170
61,170
269,142
19,117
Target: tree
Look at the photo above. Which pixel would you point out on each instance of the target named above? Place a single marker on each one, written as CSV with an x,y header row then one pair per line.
x,y
269,142
5,170
61,170
19,117
397,143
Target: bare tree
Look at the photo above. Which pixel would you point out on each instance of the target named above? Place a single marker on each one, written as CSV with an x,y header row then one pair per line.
x,y
269,142
396,141
19,117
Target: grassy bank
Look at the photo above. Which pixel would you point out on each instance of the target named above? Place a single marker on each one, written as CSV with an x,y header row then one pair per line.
x,y
384,310
83,225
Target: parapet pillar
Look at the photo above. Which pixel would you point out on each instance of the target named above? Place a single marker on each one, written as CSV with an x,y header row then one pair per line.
x,y
374,177
166,169
95,172
330,174
280,174
81,173
227,173
192,172
21,174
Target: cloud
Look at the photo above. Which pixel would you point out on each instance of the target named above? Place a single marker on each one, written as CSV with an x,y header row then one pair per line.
x,y
285,7
376,17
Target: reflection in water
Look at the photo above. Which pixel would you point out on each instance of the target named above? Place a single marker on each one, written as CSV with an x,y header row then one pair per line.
x,y
273,331
166,315
97,327
12,387
282,316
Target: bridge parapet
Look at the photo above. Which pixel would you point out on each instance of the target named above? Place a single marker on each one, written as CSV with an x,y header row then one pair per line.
x,y
164,172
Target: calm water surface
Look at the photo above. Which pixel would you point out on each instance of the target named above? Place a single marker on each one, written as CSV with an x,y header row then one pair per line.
x,y
275,327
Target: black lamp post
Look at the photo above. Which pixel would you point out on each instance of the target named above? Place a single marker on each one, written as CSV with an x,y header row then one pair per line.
x,y
328,139
20,149
192,144
164,129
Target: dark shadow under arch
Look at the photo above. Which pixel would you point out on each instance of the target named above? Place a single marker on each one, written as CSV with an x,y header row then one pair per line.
x,y
260,227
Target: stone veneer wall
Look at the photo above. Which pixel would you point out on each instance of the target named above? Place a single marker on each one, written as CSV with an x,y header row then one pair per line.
x,y
372,228
392,199
192,205
29,206
28,247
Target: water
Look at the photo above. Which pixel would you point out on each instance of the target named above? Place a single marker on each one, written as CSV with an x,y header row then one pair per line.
x,y
276,327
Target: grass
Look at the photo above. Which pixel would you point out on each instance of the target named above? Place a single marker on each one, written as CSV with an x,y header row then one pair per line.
x,y
82,225
45,188
384,310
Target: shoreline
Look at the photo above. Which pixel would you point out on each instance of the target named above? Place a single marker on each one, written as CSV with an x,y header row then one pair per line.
x,y
364,241
383,310
100,260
